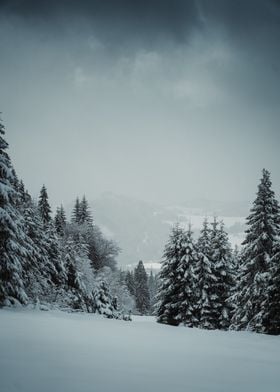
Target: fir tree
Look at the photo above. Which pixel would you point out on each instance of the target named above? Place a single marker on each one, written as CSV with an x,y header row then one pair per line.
x,y
129,280
13,244
60,220
44,207
170,287
103,300
222,259
142,296
272,316
188,280
206,312
252,296
84,213
38,268
76,218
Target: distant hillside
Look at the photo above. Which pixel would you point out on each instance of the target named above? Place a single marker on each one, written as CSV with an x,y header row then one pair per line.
x,y
142,228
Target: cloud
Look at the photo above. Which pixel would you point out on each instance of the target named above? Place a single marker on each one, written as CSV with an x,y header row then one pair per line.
x,y
168,88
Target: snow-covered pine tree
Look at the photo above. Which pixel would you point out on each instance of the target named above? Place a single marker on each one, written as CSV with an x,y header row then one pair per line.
x,y
272,316
84,212
75,287
129,280
13,246
44,206
256,266
170,285
38,268
142,295
205,271
188,281
221,255
75,218
118,289
103,300
60,220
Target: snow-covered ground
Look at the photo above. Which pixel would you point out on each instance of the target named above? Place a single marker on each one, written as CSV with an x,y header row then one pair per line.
x,y
60,352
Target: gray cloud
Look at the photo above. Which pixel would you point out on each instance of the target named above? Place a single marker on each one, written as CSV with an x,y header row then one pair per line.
x,y
162,100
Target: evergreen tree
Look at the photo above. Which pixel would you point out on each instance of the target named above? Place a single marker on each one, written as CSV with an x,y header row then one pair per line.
x,y
272,316
129,280
142,296
103,300
60,220
206,312
85,214
38,268
222,259
187,274
252,296
170,286
43,205
76,218
13,244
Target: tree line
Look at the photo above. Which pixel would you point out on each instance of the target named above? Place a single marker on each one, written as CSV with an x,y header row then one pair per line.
x,y
49,261
205,284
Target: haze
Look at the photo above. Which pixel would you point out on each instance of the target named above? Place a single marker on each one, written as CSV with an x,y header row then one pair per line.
x,y
163,101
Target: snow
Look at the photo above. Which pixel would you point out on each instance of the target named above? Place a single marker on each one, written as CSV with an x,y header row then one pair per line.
x,y
57,352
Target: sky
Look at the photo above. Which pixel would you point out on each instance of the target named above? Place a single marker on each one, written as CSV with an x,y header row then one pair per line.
x,y
160,100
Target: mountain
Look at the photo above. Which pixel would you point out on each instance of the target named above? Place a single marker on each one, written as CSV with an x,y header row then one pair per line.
x,y
141,228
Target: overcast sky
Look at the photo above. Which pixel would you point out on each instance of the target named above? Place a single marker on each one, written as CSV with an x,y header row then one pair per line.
x,y
160,100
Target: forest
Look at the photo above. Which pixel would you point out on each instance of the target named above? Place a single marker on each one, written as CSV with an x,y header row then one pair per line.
x,y
48,261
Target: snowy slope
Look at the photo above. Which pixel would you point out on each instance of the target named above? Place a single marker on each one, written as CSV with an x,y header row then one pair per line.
x,y
57,352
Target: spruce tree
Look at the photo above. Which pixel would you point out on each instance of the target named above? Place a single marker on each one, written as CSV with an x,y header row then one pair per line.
x,y
60,220
44,206
272,316
84,213
130,283
252,296
142,295
13,244
37,269
222,259
187,273
170,287
206,312
103,300
76,212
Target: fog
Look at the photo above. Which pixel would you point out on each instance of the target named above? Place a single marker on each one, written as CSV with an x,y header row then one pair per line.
x,y
163,101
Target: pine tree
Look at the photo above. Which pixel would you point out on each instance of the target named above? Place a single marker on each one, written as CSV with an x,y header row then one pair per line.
x,y
255,269
170,287
76,218
222,259
103,300
272,316
84,213
188,280
13,246
60,220
43,205
129,280
37,269
142,295
206,312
